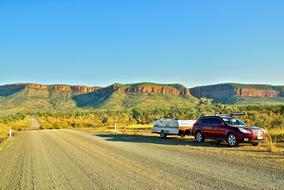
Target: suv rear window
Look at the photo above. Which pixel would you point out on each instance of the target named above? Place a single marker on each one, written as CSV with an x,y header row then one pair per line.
x,y
202,121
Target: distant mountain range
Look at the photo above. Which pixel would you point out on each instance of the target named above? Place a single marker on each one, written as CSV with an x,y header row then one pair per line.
x,y
233,93
35,97
38,97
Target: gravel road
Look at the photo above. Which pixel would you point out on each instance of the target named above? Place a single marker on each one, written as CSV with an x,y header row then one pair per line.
x,y
68,159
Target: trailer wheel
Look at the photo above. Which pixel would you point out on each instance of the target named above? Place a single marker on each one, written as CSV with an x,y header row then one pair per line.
x,y
163,134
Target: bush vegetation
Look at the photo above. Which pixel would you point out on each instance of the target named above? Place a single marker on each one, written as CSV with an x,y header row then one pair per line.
x,y
269,117
16,122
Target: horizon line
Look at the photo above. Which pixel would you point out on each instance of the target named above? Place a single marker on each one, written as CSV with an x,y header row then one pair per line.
x,y
64,84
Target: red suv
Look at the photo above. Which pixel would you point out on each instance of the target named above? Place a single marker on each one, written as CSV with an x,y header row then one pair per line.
x,y
233,130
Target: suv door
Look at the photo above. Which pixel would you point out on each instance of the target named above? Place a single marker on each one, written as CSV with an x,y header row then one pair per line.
x,y
219,130
207,127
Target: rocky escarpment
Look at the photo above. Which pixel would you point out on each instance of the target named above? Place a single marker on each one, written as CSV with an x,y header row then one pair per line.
x,y
35,97
159,90
62,88
83,89
225,90
143,88
147,89
250,92
35,86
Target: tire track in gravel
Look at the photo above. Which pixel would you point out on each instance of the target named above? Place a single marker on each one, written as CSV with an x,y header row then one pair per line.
x,y
154,169
175,173
67,159
107,164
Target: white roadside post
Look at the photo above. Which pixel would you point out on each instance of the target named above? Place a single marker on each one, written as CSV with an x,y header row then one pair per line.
x,y
10,132
115,127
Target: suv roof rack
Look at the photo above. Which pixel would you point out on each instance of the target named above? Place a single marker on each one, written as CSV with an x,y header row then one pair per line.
x,y
230,114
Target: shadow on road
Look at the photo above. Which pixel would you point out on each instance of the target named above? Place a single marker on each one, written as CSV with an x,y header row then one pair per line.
x,y
158,140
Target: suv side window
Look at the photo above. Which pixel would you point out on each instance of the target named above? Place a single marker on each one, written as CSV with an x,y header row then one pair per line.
x,y
216,122
207,121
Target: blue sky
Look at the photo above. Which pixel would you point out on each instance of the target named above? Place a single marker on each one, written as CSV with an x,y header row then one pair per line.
x,y
99,42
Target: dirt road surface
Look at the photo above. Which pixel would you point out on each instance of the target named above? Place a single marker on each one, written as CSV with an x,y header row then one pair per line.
x,y
68,159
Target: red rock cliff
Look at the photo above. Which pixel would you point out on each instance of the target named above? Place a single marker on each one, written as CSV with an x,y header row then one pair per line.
x,y
216,91
145,89
256,92
36,86
158,90
63,88
83,89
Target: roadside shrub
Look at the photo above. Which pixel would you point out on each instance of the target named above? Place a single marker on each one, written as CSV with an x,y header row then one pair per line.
x,y
270,144
4,130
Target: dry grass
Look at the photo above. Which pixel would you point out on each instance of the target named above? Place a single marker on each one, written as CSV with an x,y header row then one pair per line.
x,y
274,136
15,125
270,144
277,134
4,130
134,129
269,151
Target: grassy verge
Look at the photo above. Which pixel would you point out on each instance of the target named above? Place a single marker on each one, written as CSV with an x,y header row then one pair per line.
x,y
276,134
5,142
4,130
264,151
134,129
16,123
275,140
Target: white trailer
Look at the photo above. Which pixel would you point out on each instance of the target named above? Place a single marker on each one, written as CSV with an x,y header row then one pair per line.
x,y
166,127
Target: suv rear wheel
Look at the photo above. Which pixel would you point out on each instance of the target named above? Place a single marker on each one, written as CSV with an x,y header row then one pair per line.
x,y
232,140
199,137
